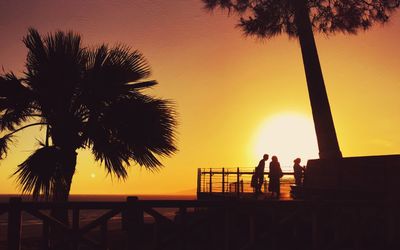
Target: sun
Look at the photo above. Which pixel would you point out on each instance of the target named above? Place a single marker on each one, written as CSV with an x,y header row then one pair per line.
x,y
287,136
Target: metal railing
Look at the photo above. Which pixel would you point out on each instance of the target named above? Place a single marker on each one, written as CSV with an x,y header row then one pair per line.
x,y
235,181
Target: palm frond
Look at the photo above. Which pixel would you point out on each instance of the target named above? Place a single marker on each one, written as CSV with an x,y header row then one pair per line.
x,y
126,65
40,171
141,85
4,145
112,73
55,65
118,65
37,53
10,85
138,128
113,154
16,102
107,149
11,119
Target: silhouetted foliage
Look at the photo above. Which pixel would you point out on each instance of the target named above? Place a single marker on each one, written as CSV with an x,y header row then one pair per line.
x,y
37,177
86,98
268,18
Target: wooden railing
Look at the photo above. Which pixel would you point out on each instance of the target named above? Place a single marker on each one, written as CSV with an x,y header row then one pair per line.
x,y
316,224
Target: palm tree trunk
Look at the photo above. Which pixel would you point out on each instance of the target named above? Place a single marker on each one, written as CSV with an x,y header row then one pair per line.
x,y
64,180
323,122
61,194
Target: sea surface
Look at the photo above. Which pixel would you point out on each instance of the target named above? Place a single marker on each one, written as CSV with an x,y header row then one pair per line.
x,y
31,226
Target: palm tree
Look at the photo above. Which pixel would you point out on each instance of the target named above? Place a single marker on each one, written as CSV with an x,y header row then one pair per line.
x,y
84,98
298,18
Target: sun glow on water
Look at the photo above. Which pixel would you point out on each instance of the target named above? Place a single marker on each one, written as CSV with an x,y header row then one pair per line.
x,y
287,136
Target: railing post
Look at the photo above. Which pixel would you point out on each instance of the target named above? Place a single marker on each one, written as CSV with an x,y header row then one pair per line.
x,y
103,235
227,180
198,181
132,222
182,227
274,226
156,234
223,180
75,228
210,191
265,185
237,182
252,233
45,235
14,223
226,228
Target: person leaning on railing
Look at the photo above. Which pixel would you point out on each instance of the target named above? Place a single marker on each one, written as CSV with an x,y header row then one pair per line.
x,y
258,176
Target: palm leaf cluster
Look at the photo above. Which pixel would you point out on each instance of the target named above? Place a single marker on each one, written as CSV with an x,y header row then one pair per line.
x,y
268,18
85,98
40,173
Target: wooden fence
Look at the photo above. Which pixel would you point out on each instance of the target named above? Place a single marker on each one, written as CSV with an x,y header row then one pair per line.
x,y
237,224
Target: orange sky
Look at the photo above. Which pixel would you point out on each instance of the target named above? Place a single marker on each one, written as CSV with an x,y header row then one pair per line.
x,y
225,85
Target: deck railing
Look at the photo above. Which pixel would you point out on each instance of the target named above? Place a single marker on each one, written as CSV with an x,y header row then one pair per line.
x,y
318,224
234,181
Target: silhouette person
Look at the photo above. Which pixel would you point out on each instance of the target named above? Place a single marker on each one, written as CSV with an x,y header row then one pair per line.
x,y
298,172
275,173
259,174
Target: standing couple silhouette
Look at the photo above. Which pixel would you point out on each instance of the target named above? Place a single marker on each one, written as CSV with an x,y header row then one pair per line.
x,y
275,173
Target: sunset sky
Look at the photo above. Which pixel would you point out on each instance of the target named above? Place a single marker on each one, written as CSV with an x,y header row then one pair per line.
x,y
237,97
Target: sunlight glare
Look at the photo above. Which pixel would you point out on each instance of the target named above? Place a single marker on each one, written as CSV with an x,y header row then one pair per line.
x,y
287,136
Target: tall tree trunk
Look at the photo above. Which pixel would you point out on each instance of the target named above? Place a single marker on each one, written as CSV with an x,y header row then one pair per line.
x,y
64,180
323,122
61,194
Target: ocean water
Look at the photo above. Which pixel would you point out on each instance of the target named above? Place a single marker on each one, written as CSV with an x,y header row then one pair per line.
x,y
4,198
32,226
